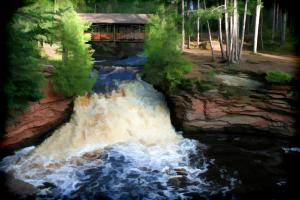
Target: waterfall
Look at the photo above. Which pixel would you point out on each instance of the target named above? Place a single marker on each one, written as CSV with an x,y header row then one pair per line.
x,y
120,145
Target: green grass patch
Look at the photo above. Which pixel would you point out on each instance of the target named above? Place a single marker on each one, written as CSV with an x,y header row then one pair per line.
x,y
278,77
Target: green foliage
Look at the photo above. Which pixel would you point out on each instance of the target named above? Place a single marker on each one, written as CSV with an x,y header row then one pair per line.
x,y
46,21
278,77
24,79
118,6
209,13
73,75
193,84
165,65
211,75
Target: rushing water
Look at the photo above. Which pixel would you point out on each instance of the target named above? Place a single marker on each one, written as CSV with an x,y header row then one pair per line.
x,y
119,145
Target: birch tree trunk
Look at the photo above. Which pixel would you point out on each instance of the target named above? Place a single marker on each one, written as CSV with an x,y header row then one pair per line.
x,y
257,16
226,29
189,28
231,38
209,35
198,25
235,32
188,32
182,24
243,31
221,38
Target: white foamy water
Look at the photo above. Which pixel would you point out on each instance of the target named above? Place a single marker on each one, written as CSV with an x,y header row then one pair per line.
x,y
120,145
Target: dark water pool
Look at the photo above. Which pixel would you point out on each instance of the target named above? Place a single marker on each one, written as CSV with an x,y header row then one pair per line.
x,y
264,168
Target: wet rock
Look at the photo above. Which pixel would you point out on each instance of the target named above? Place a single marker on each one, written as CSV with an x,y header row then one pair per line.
x,y
40,118
12,188
177,180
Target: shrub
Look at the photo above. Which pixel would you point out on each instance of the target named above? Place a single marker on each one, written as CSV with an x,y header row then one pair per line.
x,y
165,66
278,77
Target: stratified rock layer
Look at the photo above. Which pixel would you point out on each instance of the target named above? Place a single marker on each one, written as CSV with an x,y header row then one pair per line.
x,y
268,111
38,120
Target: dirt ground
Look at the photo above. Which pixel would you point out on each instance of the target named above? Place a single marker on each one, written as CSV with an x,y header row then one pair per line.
x,y
258,63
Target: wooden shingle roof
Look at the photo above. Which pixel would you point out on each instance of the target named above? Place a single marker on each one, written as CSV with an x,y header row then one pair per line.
x,y
115,18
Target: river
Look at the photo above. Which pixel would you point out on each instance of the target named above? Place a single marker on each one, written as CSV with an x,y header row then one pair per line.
x,y
120,144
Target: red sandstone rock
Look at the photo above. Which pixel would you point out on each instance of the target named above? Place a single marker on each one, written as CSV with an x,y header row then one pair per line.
x,y
198,105
266,114
40,118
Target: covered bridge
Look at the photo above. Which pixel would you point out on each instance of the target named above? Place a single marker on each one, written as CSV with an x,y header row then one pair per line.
x,y
117,27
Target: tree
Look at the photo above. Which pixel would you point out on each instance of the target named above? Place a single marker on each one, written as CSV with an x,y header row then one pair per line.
x,y
284,22
226,28
209,35
74,73
257,17
182,26
244,27
32,25
24,81
198,24
221,36
165,65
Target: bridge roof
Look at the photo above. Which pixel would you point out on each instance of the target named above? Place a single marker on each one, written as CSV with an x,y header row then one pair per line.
x,y
115,18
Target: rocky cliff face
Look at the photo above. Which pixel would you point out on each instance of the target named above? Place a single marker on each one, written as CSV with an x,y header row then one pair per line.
x,y
40,118
269,111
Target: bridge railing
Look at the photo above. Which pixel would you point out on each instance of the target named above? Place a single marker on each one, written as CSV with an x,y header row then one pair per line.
x,y
120,36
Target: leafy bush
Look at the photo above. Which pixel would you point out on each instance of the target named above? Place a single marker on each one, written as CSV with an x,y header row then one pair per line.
x,y
73,75
165,65
278,77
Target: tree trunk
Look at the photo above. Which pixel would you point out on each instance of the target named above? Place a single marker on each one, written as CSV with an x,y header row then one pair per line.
x,y
261,30
231,38
257,16
221,38
283,32
243,31
237,30
273,22
248,24
189,28
182,24
226,29
277,19
209,35
198,25
234,33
